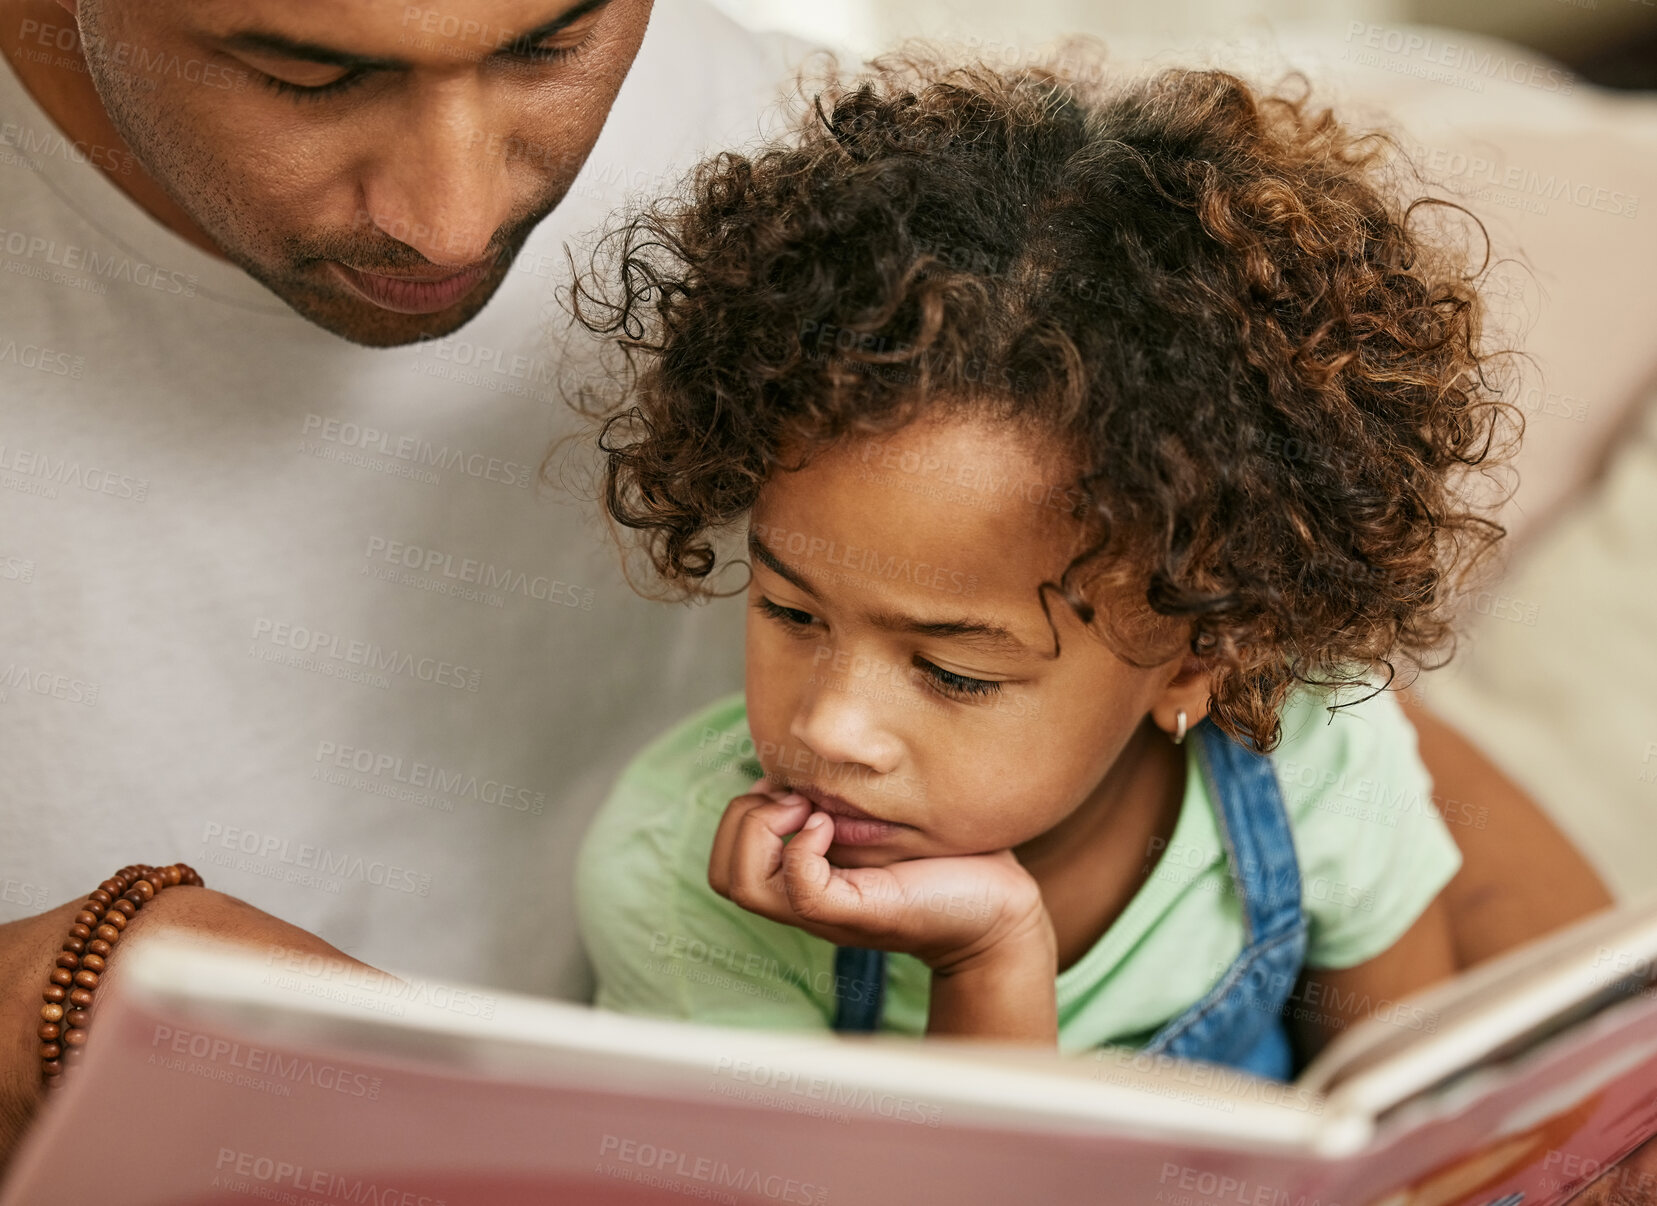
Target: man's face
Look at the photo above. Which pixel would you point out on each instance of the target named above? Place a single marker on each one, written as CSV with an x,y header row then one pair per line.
x,y
375,163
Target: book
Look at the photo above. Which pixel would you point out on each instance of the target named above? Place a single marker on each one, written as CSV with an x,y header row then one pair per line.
x,y
218,1076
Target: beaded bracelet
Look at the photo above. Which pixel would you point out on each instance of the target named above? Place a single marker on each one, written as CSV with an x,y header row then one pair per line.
x,y
108,908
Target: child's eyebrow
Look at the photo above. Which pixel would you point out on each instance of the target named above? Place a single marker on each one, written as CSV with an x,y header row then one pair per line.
x,y
992,638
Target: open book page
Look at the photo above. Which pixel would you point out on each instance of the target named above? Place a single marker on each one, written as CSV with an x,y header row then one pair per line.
x,y
1490,1010
298,1085
326,1086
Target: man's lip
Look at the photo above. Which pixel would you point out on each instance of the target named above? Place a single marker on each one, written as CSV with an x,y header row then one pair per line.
x,y
424,293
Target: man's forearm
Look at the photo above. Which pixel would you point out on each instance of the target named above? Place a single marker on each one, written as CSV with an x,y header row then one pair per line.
x,y
29,947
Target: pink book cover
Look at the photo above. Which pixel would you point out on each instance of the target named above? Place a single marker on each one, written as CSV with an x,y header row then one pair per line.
x,y
219,1078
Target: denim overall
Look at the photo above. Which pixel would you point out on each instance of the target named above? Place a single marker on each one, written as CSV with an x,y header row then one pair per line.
x,y
1239,1023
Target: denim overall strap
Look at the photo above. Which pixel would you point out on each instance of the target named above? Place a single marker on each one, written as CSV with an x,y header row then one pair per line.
x,y
1240,1021
859,987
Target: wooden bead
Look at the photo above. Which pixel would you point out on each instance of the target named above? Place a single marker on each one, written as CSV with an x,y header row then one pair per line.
x,y
172,875
69,960
50,1050
81,998
108,933
74,1038
93,963
86,917
51,1012
76,1019
49,1031
99,947
101,896
74,945
80,931
86,979
56,992
62,976
121,908
53,1068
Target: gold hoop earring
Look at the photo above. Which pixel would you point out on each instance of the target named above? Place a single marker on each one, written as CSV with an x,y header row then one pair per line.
x,y
1179,734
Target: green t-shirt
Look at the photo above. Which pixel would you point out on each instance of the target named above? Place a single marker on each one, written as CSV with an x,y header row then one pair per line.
x,y
1373,854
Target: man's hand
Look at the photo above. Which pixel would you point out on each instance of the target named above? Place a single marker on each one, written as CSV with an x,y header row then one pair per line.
x,y
28,948
949,912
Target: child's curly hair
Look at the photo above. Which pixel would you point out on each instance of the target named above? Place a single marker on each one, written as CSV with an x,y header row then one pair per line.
x,y
1266,380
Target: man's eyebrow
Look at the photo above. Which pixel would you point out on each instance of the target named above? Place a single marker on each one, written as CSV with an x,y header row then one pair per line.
x,y
992,638
263,42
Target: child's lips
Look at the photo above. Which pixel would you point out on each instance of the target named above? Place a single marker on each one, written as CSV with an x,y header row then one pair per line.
x,y
852,825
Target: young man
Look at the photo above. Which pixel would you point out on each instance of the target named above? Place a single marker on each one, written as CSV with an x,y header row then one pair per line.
x,y
280,359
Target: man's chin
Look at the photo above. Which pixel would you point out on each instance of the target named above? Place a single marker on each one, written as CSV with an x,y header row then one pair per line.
x,y
362,322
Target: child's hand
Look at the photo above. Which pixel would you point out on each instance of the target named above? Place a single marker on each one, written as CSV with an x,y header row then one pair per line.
x,y
947,911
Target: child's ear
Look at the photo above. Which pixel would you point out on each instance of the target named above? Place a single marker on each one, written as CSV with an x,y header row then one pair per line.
x,y
1186,691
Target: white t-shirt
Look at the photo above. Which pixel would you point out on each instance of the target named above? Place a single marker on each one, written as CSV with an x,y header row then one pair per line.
x,y
296,611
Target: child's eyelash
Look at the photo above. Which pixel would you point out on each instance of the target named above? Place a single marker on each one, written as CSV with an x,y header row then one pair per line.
x,y
945,682
788,617
314,92
950,683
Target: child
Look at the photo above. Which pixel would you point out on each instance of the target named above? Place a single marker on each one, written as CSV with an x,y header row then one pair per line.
x,y
1093,448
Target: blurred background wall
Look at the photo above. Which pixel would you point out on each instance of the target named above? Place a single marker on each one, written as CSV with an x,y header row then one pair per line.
x,y
1611,42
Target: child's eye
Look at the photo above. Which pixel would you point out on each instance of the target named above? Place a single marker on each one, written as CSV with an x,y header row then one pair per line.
x,y
957,685
788,617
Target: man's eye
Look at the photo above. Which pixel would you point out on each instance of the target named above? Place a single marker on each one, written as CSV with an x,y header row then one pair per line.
x,y
332,87
956,685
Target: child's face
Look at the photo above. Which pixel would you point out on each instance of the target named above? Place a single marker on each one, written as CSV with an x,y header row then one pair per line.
x,y
899,657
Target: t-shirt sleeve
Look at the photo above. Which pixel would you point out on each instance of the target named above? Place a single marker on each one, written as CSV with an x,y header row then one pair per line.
x,y
1373,850
665,944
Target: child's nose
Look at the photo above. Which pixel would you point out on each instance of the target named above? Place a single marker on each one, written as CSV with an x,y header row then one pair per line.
x,y
839,727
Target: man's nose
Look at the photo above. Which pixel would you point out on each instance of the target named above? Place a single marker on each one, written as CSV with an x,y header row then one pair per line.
x,y
442,187
842,728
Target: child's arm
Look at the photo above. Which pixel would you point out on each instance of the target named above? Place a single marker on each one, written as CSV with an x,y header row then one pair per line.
x,y
977,921
1328,1000
1497,901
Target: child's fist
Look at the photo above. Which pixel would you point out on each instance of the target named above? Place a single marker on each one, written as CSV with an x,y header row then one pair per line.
x,y
944,911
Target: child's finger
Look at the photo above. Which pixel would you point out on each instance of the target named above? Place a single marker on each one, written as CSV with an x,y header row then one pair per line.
x,y
756,855
725,839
